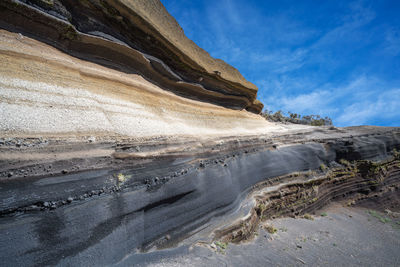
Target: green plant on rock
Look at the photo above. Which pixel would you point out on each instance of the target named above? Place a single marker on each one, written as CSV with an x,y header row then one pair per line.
x,y
345,162
308,217
270,229
221,245
121,178
261,208
323,167
381,218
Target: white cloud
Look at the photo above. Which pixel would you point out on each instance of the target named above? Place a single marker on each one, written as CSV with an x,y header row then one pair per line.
x,y
381,106
371,98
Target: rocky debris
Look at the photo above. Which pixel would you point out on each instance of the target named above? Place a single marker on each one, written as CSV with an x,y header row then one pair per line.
x,y
23,142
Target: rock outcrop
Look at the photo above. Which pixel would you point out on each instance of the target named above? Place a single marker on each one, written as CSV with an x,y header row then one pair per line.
x,y
119,138
87,201
132,37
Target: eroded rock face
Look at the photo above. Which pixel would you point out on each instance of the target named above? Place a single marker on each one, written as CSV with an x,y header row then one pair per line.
x,y
100,165
96,201
132,37
45,91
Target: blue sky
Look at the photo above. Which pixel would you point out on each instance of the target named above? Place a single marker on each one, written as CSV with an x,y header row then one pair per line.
x,y
333,58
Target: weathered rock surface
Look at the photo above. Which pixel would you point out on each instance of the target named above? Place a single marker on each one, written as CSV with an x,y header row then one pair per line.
x,y
119,136
77,202
46,91
132,37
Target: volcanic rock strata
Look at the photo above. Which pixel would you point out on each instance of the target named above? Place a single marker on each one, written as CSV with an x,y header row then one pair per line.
x,y
120,138
95,202
133,37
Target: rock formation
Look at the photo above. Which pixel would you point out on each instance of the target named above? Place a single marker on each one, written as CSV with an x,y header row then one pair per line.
x,y
132,37
119,136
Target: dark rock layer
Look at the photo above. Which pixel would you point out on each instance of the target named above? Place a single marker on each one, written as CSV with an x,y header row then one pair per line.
x,y
114,205
353,181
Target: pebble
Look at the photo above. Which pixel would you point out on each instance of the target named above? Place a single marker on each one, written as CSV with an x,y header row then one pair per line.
x,y
70,199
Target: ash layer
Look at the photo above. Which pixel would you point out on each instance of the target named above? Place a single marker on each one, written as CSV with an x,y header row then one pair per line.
x,y
138,37
82,207
120,140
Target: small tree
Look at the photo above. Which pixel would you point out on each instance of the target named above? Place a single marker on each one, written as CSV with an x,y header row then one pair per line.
x,y
314,120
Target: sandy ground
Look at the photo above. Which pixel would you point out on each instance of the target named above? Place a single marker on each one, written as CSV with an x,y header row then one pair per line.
x,y
342,237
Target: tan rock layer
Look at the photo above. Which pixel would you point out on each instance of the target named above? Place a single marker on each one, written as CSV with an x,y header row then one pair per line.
x,y
134,37
44,91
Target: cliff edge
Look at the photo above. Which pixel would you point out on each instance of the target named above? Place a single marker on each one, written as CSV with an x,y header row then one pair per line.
x,y
133,37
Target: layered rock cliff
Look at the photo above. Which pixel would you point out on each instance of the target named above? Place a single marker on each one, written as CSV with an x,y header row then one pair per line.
x,y
132,37
121,138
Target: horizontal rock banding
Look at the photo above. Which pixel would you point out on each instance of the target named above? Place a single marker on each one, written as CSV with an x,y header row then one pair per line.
x,y
156,192
47,91
118,135
356,181
120,34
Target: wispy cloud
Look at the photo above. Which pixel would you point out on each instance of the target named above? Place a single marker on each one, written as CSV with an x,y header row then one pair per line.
x,y
337,59
384,107
371,100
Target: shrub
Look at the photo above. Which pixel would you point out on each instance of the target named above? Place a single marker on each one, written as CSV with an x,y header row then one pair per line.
x,y
313,120
221,245
271,229
308,217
